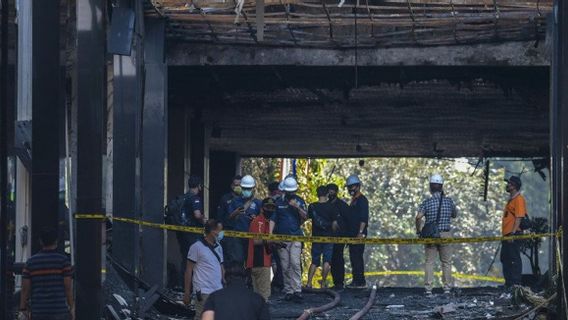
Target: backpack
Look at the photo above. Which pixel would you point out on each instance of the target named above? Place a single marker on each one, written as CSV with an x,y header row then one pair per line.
x,y
526,223
173,211
318,220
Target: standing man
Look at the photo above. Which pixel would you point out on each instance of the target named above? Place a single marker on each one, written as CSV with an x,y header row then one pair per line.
x,y
225,201
47,283
259,258
191,216
357,221
287,219
204,272
324,216
243,209
339,230
438,203
515,211
275,193
223,212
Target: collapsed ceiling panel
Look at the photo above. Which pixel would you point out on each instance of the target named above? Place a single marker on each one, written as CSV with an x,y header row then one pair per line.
x,y
352,23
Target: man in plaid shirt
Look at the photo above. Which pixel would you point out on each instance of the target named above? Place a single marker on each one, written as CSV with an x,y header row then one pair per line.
x,y
429,210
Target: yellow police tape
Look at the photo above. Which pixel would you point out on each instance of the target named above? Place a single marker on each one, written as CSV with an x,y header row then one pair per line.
x,y
456,275
344,240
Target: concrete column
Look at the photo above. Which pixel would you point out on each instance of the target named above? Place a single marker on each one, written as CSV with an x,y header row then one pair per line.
x,y
127,106
6,218
46,97
199,154
559,137
23,114
153,158
176,181
91,102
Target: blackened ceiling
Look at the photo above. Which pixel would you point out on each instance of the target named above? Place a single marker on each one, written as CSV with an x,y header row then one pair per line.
x,y
371,111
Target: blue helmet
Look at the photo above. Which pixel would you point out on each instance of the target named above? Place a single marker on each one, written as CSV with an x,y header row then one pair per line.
x,y
352,179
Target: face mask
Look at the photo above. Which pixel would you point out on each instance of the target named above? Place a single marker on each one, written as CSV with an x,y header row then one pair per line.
x,y
288,195
220,236
331,196
237,190
352,192
247,193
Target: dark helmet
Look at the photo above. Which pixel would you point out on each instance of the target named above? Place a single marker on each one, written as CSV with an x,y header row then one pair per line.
x,y
194,182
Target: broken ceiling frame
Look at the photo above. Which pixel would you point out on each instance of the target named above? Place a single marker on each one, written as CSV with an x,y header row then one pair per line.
x,y
323,23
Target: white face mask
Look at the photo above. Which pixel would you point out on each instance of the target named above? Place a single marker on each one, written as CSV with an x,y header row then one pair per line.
x,y
247,193
220,236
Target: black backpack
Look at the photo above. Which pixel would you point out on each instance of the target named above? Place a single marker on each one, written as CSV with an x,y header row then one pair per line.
x,y
526,223
172,211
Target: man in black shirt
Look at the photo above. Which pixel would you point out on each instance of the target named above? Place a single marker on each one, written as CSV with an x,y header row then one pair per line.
x,y
323,215
339,230
236,301
357,221
223,205
192,215
277,284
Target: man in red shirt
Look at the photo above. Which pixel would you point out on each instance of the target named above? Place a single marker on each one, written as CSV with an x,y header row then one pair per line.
x,y
259,256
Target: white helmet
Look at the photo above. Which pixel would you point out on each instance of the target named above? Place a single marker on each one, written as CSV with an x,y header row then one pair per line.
x,y
436,178
290,184
248,182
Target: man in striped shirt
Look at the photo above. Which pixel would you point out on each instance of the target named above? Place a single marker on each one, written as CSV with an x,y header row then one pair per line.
x,y
47,283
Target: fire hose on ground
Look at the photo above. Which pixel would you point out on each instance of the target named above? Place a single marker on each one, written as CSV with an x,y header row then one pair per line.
x,y
328,306
367,306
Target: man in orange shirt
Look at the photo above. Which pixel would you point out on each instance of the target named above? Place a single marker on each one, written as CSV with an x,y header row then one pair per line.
x,y
514,213
259,259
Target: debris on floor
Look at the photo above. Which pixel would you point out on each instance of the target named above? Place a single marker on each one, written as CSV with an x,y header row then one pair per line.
x,y
389,303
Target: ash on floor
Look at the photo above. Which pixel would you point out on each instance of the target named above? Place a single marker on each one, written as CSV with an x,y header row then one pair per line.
x,y
389,304
404,303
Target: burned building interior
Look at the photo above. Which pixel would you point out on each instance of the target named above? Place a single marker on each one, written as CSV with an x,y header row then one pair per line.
x,y
111,105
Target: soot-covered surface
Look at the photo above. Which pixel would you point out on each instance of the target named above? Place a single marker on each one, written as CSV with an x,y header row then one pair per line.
x,y
403,303
390,303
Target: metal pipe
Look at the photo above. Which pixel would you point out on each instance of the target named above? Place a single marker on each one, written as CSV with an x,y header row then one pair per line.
x,y
367,306
328,306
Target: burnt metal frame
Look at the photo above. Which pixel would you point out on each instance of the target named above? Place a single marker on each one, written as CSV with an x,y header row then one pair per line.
x,y
91,103
6,253
153,156
559,139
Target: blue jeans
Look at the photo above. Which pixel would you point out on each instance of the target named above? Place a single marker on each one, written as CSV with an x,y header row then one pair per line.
x,y
319,249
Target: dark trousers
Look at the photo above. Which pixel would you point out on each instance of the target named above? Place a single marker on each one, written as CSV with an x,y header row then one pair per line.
x,y
278,280
357,263
338,265
185,240
512,263
235,249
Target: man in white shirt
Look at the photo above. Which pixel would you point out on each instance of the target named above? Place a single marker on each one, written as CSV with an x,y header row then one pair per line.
x,y
204,273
